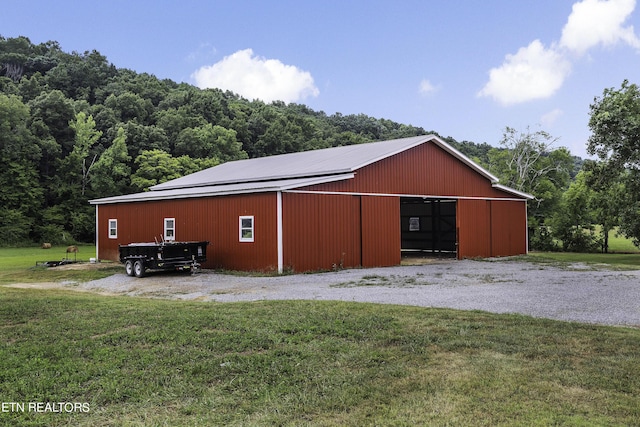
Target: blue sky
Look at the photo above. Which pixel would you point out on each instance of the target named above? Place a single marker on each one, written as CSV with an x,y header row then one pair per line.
x,y
462,68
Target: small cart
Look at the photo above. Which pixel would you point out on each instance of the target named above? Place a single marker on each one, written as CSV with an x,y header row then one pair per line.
x,y
140,257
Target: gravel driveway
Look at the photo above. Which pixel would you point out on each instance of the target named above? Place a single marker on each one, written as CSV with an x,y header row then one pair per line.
x,y
575,292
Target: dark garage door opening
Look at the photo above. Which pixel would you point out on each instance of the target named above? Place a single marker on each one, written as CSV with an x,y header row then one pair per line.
x,y
428,226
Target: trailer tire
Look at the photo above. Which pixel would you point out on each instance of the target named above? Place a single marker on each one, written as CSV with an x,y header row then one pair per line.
x,y
138,268
128,267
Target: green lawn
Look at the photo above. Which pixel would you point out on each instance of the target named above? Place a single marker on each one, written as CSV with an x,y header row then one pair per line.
x,y
611,260
621,244
25,257
140,362
622,254
18,265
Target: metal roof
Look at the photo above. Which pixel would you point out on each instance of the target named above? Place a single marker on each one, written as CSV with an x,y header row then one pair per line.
x,y
221,190
289,171
513,191
327,161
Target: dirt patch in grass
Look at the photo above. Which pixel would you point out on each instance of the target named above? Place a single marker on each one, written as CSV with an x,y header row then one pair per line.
x,y
45,285
86,266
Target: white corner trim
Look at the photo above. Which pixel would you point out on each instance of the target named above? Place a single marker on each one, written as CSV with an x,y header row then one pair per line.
x,y
279,232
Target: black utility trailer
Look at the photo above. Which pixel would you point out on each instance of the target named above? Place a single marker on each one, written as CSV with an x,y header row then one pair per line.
x,y
140,257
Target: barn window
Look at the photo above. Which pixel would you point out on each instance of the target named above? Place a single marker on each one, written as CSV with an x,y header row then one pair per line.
x,y
113,228
169,229
246,228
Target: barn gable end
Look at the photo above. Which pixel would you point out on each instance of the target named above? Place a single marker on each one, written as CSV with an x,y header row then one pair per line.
x,y
424,170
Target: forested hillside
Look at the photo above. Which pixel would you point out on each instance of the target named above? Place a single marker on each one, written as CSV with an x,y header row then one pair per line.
x,y
75,127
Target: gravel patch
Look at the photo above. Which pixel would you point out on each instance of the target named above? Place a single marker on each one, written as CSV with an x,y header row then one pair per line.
x,y
577,292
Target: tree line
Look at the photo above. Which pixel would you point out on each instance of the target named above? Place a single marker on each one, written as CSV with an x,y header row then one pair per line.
x,y
74,127
577,211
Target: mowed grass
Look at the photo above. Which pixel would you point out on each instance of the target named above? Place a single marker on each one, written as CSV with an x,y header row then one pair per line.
x,y
618,243
13,259
18,265
611,260
623,254
149,362
140,362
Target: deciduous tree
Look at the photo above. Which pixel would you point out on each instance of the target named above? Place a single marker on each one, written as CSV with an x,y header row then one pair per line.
x,y
210,141
20,193
157,166
608,196
80,161
573,220
615,125
528,162
111,173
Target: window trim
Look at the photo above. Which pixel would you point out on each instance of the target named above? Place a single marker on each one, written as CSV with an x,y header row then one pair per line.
x,y
166,228
113,221
251,229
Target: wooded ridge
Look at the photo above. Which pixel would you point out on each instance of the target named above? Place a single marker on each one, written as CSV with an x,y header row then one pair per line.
x,y
76,127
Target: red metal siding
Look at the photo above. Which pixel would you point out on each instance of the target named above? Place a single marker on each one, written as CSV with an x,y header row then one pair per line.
x,y
423,170
380,231
323,232
431,171
320,232
212,219
491,228
508,228
474,228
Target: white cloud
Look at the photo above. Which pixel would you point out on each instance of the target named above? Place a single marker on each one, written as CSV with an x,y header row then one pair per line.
x,y
551,117
254,77
598,22
426,88
534,72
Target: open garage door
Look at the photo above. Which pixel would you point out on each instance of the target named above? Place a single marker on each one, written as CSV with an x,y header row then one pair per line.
x,y
428,225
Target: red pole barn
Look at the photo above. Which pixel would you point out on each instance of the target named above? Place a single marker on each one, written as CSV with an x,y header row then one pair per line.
x,y
353,206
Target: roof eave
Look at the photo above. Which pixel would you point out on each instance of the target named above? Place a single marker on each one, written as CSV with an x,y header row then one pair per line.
x,y
513,191
266,179
155,196
213,191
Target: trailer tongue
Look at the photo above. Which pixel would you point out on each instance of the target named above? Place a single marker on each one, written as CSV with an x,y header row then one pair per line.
x,y
140,257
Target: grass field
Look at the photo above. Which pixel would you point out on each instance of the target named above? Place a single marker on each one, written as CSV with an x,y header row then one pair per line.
x,y
18,265
150,362
622,254
25,257
139,362
621,244
611,260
